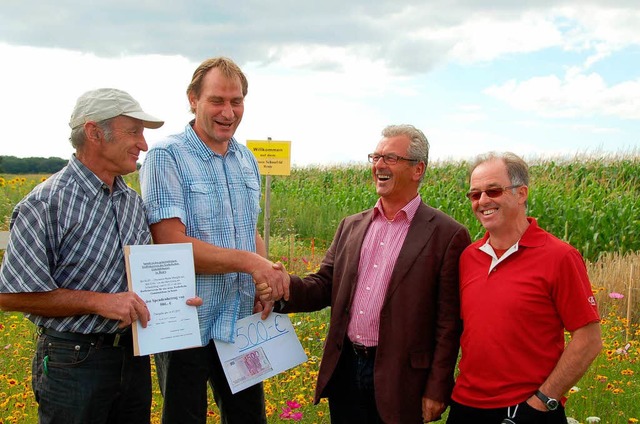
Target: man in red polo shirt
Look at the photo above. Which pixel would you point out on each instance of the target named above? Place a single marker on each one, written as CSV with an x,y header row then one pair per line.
x,y
520,288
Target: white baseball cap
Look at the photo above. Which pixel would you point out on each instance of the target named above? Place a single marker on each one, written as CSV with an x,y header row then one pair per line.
x,y
105,103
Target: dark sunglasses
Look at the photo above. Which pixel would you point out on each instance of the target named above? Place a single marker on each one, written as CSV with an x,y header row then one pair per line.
x,y
475,195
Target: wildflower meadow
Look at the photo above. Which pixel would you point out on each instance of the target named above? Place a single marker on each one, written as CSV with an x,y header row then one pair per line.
x,y
593,204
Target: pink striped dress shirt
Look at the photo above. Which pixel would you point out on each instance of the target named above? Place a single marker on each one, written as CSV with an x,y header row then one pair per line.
x,y
380,250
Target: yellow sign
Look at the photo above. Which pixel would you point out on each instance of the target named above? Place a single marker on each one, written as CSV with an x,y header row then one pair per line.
x,y
274,157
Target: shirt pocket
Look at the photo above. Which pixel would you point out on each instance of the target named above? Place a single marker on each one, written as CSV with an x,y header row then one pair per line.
x,y
204,205
252,186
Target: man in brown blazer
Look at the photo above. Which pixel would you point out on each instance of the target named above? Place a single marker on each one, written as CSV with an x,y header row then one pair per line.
x,y
391,279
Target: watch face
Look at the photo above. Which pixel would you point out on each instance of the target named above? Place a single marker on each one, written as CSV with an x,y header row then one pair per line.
x,y
552,404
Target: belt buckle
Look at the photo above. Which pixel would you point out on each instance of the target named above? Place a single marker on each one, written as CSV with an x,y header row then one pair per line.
x,y
359,349
116,340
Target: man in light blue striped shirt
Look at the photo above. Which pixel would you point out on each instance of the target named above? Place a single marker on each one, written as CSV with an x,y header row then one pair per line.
x,y
202,187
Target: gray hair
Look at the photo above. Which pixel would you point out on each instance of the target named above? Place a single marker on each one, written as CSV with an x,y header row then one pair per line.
x,y
78,137
418,143
517,168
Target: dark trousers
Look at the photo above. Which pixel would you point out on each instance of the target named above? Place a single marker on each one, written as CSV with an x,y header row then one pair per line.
x,y
352,392
84,382
461,414
183,376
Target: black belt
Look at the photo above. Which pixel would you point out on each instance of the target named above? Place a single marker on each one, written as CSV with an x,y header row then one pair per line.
x,y
97,339
361,350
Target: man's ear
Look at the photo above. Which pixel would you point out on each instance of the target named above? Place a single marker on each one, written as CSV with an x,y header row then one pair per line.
x,y
421,168
92,132
193,100
523,194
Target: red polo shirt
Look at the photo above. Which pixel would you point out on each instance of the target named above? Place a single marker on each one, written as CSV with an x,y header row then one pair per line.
x,y
514,317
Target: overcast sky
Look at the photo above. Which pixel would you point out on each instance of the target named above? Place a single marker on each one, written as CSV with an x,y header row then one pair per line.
x,y
536,77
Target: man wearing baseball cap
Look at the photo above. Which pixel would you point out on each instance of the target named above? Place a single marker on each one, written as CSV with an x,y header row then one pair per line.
x,y
64,268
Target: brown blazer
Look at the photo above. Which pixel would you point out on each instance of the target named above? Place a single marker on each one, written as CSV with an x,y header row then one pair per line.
x,y
420,318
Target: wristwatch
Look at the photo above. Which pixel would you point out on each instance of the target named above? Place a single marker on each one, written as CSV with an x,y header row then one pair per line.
x,y
550,403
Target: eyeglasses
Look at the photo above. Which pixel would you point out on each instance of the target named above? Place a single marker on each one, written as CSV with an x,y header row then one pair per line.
x,y
390,159
475,195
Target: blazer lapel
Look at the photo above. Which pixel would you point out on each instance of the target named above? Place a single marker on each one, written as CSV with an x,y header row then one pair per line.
x,y
355,240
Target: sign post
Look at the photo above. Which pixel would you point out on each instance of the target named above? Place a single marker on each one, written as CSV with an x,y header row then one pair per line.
x,y
274,158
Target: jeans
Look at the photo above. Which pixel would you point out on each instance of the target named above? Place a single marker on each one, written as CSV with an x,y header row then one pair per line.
x,y
525,414
352,393
183,376
79,382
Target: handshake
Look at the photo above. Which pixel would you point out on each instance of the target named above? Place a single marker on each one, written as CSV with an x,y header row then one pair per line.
x,y
272,281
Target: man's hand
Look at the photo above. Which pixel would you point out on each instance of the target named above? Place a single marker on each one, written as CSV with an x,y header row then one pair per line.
x,y
272,281
432,410
125,307
195,301
263,306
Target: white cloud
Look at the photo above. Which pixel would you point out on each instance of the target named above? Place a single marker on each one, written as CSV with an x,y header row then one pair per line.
x,y
329,75
577,95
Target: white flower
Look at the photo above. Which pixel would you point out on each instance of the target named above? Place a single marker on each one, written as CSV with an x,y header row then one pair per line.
x,y
591,420
572,421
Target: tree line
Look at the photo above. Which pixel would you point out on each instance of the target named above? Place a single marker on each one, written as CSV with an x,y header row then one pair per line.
x,y
33,165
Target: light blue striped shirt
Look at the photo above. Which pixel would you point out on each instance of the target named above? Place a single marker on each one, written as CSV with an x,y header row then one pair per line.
x,y
68,233
217,198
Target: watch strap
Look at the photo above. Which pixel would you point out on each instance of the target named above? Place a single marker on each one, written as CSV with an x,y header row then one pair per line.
x,y
550,403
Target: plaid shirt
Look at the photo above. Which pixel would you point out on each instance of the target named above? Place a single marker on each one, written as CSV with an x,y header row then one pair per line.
x,y
68,233
217,198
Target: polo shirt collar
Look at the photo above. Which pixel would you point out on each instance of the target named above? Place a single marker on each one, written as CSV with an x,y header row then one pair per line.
x,y
533,236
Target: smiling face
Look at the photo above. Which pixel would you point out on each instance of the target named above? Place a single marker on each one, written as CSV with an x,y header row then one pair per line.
x,y
500,215
120,152
218,109
396,184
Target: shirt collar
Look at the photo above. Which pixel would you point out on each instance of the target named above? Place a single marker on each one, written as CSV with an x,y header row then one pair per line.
x,y
409,210
90,183
201,148
533,236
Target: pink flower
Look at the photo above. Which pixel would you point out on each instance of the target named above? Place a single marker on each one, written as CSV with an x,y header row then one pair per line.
x,y
293,404
615,295
287,411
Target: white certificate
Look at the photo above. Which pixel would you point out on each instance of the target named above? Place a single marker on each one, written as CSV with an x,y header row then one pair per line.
x,y
262,349
163,275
